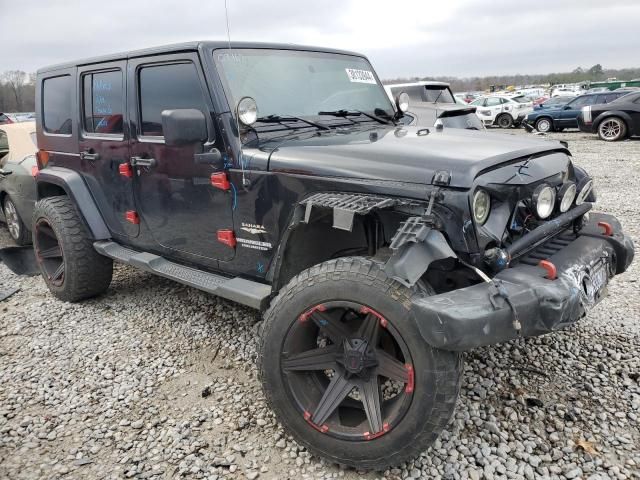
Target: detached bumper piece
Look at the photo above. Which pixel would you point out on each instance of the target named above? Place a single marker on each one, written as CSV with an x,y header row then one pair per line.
x,y
521,301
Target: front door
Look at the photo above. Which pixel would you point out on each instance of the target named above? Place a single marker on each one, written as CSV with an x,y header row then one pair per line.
x,y
104,143
175,199
568,115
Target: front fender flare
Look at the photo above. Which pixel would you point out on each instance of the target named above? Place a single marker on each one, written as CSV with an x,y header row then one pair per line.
x,y
75,187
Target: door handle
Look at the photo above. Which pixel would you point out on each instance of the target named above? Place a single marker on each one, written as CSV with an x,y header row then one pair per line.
x,y
143,162
89,155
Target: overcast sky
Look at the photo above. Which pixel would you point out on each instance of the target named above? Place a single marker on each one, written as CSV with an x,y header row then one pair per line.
x,y
401,37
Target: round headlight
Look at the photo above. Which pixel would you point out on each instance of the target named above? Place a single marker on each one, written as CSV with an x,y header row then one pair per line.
x,y
247,111
584,189
567,195
481,206
544,197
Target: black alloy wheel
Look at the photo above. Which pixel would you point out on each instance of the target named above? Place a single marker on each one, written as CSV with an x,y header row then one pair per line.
x,y
49,252
348,370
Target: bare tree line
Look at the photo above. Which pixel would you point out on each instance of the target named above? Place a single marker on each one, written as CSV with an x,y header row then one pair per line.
x,y
17,91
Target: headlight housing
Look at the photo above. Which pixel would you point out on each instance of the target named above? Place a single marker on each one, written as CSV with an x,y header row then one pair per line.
x,y
584,189
566,196
481,206
544,199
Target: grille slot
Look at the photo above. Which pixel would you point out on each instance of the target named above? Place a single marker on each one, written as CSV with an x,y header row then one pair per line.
x,y
548,248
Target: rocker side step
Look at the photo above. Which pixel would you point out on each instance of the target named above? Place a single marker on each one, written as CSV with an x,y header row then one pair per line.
x,y
246,292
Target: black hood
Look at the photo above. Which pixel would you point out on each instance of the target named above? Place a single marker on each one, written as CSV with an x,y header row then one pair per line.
x,y
406,154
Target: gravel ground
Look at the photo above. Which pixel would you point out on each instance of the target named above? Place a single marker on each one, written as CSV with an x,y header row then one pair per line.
x,y
155,379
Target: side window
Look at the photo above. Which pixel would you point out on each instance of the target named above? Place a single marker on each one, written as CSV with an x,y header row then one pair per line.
x,y
103,102
56,105
492,102
166,87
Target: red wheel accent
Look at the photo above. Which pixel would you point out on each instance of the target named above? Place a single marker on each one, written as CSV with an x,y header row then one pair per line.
x,y
608,229
132,217
370,436
305,316
411,382
320,428
552,273
383,321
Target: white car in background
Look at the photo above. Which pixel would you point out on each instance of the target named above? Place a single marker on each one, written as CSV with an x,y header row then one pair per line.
x,y
566,92
502,110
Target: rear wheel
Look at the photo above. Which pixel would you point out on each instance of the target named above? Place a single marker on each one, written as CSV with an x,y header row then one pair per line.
x,y
346,371
69,264
505,121
612,129
15,225
544,124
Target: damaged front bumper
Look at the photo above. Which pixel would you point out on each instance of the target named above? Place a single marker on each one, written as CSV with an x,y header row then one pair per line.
x,y
520,301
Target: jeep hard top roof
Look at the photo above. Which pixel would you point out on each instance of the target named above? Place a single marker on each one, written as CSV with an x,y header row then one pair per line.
x,y
190,46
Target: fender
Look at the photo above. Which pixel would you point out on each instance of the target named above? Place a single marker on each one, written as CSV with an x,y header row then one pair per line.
x,y
75,187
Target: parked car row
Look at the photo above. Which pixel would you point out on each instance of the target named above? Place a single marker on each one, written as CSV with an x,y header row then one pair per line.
x,y
6,118
558,116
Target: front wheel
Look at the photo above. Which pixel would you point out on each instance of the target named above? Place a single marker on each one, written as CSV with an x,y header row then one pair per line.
x,y
612,129
345,369
505,121
544,125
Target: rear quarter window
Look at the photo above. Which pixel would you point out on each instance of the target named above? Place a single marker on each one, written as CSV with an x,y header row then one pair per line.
x,y
56,105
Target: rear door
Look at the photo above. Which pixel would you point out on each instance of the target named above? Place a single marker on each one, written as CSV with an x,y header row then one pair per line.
x,y
104,143
174,196
494,105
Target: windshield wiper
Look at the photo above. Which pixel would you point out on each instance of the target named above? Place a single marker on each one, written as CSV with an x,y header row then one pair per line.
x,y
281,119
354,113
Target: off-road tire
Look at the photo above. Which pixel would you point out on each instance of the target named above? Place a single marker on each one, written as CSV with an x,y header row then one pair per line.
x,y
437,372
86,273
504,120
607,132
544,125
18,230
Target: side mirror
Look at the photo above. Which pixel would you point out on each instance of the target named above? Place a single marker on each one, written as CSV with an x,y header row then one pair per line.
x,y
183,126
402,101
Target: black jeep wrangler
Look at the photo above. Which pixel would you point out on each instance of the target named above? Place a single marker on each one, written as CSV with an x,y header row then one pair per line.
x,y
280,177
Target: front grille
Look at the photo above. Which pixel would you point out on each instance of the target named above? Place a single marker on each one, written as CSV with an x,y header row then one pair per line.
x,y
547,249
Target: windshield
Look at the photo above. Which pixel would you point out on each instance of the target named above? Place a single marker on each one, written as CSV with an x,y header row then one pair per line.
x,y
521,99
301,83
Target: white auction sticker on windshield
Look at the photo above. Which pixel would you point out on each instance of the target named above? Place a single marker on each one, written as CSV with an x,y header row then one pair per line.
x,y
360,76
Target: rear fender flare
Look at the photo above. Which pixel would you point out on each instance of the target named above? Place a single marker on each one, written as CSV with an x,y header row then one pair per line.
x,y
613,113
75,187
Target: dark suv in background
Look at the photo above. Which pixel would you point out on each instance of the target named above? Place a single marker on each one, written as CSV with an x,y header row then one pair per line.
x,y
280,177
559,117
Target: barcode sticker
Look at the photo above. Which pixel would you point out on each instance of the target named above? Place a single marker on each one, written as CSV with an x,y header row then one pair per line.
x,y
360,76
